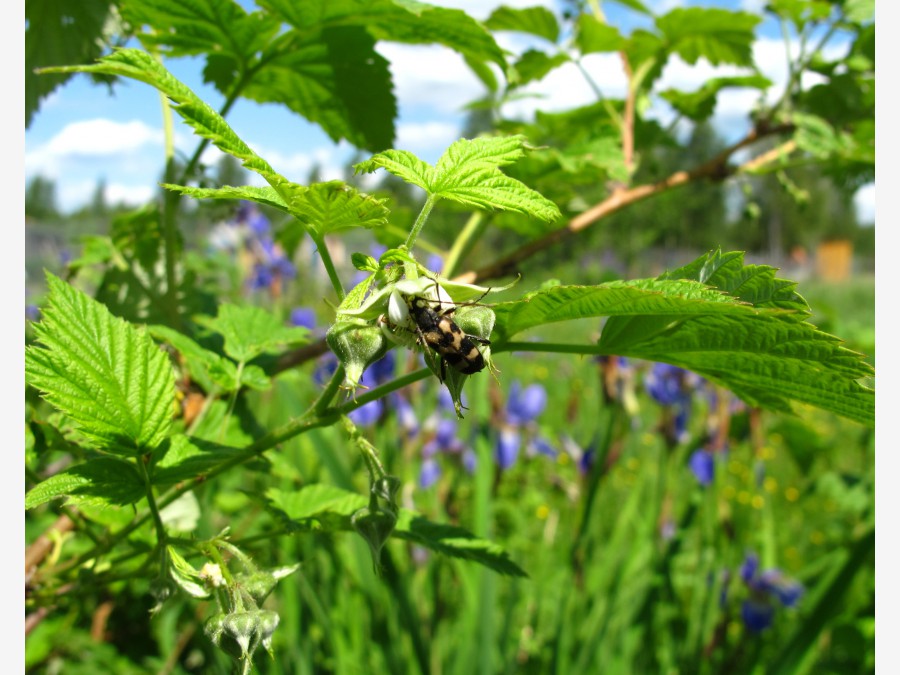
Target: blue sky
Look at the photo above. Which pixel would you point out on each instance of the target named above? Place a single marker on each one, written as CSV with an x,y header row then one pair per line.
x,y
83,135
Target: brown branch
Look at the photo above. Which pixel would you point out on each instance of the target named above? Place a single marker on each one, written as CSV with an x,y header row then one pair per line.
x,y
716,168
35,553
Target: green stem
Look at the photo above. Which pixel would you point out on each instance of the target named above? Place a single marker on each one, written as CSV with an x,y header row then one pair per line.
x,y
380,392
473,229
151,500
325,398
319,241
420,221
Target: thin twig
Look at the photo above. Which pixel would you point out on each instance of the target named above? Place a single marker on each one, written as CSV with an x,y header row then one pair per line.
x,y
716,168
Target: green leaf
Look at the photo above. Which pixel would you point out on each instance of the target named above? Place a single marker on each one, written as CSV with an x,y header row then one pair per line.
x,y
718,35
815,135
321,208
101,482
251,331
859,11
755,284
538,21
800,12
106,374
636,5
468,173
592,36
331,507
58,34
534,65
335,78
701,104
138,234
184,574
189,459
396,21
767,354
643,296
203,27
205,121
205,366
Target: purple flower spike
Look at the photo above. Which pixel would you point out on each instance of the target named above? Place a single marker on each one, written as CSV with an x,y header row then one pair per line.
x,y
507,449
757,616
406,416
435,263
429,473
665,383
366,415
470,460
703,466
523,406
304,317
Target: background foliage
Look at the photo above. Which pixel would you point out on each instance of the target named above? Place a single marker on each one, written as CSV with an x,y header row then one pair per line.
x,y
668,473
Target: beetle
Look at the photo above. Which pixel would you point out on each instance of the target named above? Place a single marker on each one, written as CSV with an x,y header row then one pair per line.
x,y
437,329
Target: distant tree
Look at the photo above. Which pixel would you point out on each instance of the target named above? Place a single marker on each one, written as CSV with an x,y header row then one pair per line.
x,y
799,206
230,172
40,199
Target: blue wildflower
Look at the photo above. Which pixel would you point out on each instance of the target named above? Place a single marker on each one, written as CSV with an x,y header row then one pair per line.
x,y
703,465
523,406
507,448
303,316
429,473
435,263
367,414
32,312
406,415
767,589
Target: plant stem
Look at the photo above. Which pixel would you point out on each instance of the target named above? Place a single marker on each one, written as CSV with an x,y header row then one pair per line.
x,y
473,229
325,255
420,222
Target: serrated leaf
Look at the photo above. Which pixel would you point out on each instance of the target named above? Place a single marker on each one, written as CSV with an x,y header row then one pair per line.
x,y
395,21
181,515
718,35
701,104
455,542
205,365
335,78
104,373
321,208
767,354
189,458
251,331
636,5
592,36
100,482
643,296
332,508
197,27
327,208
800,12
755,284
469,173
205,121
538,21
60,33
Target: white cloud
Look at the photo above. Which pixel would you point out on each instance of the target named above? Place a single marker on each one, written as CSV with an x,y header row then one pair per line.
x,y
431,77
133,195
425,138
96,138
865,203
